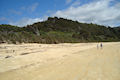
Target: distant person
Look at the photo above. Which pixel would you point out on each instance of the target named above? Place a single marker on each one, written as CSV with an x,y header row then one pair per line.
x,y
101,45
97,46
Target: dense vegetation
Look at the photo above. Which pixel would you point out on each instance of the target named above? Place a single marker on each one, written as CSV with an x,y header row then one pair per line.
x,y
58,30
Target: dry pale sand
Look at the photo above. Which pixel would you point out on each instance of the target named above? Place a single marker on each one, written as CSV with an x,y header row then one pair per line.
x,y
81,61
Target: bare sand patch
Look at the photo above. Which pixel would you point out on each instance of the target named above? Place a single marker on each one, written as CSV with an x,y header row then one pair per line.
x,y
80,61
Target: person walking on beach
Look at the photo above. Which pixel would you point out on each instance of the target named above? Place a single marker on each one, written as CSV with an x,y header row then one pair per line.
x,y
101,45
97,46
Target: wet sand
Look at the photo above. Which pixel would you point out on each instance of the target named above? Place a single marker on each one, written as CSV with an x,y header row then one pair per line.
x,y
80,61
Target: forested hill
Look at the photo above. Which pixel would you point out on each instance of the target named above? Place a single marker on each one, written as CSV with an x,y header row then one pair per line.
x,y
58,30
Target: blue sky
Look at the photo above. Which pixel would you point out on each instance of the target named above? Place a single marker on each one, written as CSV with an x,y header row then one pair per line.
x,y
24,12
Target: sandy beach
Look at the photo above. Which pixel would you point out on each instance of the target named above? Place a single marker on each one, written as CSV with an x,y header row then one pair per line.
x,y
78,61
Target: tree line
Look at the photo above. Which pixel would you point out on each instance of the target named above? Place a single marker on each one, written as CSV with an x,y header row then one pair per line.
x,y
58,30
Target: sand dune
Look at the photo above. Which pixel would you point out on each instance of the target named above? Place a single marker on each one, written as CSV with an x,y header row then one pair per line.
x,y
80,61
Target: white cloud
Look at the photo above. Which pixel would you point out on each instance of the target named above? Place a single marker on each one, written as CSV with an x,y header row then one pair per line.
x,y
76,3
99,12
33,7
4,19
68,1
15,12
30,8
26,21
